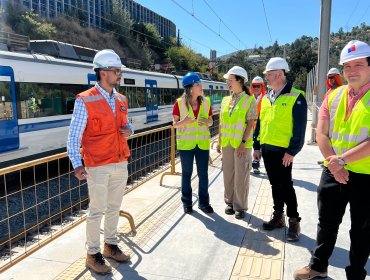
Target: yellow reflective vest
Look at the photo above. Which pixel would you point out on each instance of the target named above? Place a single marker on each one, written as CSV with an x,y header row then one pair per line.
x,y
347,134
276,120
233,127
191,135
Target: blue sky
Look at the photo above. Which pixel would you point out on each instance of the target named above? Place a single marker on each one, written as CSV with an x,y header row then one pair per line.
x,y
287,21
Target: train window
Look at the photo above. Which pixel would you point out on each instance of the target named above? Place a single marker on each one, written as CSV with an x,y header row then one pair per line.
x,y
6,105
129,81
41,100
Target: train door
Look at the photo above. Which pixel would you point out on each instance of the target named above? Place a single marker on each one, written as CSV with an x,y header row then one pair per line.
x,y
9,132
91,80
211,93
151,100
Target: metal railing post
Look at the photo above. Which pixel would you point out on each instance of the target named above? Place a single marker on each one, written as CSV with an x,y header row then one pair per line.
x,y
173,163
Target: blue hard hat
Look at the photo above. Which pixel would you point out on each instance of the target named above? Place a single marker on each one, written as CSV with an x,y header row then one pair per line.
x,y
190,79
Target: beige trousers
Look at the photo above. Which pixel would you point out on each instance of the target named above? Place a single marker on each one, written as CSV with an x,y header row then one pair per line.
x,y
106,186
236,177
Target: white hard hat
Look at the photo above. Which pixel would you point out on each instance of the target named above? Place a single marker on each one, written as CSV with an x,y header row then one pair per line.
x,y
354,50
106,58
276,63
333,71
257,79
238,71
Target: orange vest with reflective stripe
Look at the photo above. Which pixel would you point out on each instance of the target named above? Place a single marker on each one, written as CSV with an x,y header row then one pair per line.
x,y
102,142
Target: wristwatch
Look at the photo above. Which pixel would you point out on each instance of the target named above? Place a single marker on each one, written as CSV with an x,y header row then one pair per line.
x,y
341,161
243,141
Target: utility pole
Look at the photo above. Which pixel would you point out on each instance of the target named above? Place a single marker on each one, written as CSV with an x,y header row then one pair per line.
x,y
323,63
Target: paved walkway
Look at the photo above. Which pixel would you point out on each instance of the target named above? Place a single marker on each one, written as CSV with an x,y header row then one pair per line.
x,y
171,245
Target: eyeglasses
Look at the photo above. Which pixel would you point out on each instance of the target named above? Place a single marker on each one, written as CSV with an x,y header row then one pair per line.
x,y
256,86
115,71
331,77
230,80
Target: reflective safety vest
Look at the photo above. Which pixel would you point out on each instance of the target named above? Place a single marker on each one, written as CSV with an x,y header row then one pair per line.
x,y
347,134
191,135
276,120
102,142
233,127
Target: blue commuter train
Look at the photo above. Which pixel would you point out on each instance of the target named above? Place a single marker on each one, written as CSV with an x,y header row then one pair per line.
x,y
37,94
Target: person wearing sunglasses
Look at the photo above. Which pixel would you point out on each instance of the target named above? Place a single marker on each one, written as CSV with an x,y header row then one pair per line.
x,y
237,115
332,81
192,117
99,125
258,89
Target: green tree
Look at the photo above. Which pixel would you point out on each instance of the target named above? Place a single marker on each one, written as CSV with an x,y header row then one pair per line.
x,y
29,23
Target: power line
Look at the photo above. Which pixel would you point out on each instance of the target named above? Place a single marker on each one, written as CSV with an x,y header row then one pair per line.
x,y
268,27
205,25
209,6
354,9
363,14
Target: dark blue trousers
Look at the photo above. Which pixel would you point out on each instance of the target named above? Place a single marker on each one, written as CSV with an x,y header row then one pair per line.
x,y
201,160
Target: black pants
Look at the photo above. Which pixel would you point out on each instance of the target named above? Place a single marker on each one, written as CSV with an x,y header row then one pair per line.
x,y
280,178
332,199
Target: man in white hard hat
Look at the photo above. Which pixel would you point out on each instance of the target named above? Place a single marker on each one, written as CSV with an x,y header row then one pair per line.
x,y
343,135
279,136
99,124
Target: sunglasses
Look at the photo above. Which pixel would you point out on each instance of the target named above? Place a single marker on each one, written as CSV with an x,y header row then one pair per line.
x,y
115,71
256,86
331,77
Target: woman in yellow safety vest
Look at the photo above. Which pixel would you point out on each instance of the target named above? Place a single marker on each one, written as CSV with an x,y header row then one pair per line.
x,y
237,116
192,116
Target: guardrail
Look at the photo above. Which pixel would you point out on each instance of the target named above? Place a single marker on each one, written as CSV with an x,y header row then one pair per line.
x,y
42,199
15,41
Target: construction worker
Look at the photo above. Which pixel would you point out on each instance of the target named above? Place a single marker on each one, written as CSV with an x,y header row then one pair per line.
x,y
343,135
258,89
192,117
332,80
237,116
99,124
279,136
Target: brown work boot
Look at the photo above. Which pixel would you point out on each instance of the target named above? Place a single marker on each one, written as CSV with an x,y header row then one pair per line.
x,y
294,229
306,273
97,264
114,252
277,221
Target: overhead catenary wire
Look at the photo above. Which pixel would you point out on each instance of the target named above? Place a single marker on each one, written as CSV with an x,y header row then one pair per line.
x,y
267,23
363,15
221,21
205,25
350,16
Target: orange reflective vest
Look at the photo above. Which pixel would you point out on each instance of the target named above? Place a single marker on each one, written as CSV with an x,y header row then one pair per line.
x,y
102,142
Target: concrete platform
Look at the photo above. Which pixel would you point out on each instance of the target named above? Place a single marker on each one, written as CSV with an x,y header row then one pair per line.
x,y
171,245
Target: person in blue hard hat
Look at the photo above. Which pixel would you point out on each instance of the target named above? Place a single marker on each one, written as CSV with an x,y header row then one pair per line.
x,y
192,117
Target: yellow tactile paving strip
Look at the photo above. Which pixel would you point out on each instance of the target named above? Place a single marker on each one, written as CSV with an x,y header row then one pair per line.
x,y
261,255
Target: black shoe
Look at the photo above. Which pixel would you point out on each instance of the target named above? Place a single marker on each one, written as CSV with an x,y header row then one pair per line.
x,y
229,210
239,214
277,221
188,209
256,171
294,229
208,209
